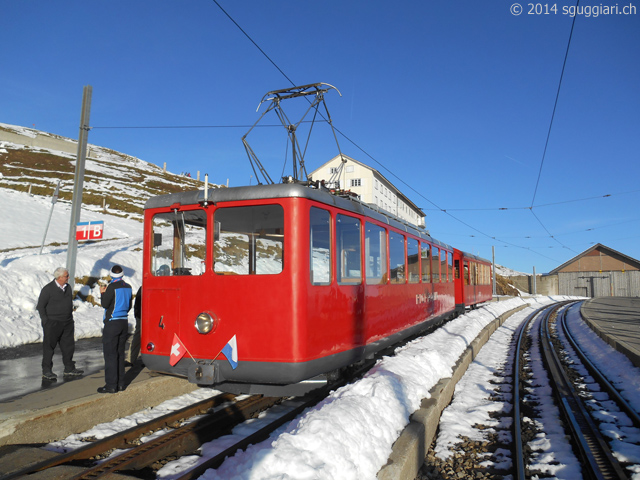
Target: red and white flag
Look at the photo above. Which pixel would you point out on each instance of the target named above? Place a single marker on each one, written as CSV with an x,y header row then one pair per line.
x,y
177,350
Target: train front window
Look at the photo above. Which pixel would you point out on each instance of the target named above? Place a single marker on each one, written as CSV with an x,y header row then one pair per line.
x,y
249,240
179,243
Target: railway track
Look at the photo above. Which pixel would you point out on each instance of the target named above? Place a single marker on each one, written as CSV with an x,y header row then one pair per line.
x,y
124,439
188,429
590,445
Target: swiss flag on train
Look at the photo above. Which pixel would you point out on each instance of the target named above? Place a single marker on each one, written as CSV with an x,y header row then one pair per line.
x,y
177,350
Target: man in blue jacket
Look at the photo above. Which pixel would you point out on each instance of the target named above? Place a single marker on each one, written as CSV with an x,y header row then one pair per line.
x,y
116,298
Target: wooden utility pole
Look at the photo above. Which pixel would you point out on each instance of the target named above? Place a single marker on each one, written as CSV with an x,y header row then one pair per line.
x,y
78,184
493,262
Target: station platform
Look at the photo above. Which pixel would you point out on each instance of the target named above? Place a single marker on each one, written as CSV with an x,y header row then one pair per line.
x,y
73,406
617,321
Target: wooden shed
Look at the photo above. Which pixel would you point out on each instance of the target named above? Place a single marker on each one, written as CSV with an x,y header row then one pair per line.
x,y
599,271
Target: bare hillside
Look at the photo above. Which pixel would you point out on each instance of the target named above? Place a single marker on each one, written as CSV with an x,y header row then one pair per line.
x,y
34,161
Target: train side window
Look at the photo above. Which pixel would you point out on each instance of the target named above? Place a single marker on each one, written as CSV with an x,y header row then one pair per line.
x,y
466,273
413,260
435,265
396,257
348,250
375,248
251,240
443,266
425,250
450,265
179,243
320,245
456,269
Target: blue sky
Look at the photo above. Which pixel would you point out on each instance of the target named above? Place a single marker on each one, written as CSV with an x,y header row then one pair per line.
x,y
450,100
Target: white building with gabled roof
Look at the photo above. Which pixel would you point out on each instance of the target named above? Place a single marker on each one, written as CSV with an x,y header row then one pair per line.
x,y
345,173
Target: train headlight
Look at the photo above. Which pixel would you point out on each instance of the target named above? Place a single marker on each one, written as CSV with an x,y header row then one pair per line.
x,y
206,322
150,347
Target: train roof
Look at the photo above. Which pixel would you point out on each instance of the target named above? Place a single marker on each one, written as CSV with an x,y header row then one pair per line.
x,y
287,190
474,257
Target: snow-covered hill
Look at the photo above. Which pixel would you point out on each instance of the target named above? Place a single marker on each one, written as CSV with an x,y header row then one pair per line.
x,y
123,182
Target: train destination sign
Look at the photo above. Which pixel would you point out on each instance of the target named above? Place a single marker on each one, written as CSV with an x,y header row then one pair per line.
x,y
89,230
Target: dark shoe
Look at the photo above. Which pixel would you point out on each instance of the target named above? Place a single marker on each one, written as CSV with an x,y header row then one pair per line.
x,y
52,377
121,388
106,389
73,373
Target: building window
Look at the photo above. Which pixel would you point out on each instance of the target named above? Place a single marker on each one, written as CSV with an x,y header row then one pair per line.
x,y
350,169
333,170
356,182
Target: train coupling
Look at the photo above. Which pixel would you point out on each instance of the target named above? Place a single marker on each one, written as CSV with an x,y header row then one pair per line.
x,y
202,374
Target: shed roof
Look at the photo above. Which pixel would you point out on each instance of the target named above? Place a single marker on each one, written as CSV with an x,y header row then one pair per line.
x,y
604,249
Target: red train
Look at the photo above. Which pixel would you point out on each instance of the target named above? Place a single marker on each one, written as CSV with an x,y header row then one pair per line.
x,y
271,288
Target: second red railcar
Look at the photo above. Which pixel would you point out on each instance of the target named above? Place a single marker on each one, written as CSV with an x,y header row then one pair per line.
x,y
472,280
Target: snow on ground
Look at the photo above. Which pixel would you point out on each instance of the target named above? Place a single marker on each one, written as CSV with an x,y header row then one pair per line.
x,y
507,272
23,271
350,434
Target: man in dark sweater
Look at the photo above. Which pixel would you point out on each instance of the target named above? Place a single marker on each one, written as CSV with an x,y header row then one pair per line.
x,y
55,306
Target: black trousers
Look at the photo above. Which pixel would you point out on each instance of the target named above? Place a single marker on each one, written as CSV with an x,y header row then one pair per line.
x,y
114,339
58,333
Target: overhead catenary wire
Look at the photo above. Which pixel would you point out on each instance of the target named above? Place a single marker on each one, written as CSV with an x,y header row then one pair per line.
x,y
555,105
